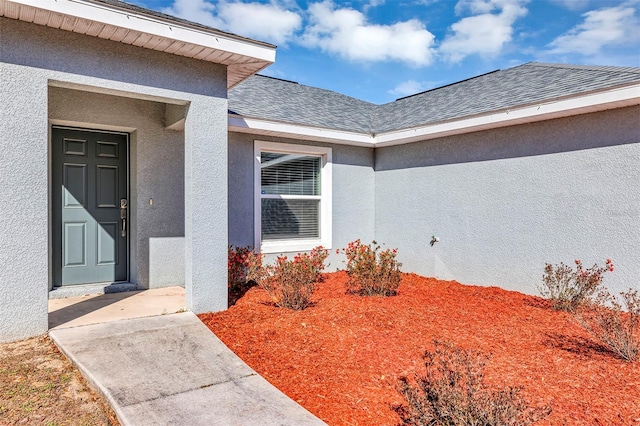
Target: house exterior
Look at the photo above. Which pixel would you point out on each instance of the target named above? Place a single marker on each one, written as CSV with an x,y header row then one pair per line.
x,y
137,146
510,170
152,90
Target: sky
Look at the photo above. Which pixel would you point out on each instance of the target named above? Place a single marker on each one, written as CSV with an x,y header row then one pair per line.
x,y
381,50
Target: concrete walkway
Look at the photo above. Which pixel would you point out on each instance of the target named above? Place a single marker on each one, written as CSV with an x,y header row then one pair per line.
x,y
171,370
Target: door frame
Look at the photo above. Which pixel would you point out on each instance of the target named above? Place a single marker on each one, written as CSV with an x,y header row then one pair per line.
x,y
54,243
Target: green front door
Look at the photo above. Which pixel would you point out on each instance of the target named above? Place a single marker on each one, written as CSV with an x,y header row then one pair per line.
x,y
90,224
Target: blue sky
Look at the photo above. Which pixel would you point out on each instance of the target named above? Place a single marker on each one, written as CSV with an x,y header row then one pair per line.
x,y
380,50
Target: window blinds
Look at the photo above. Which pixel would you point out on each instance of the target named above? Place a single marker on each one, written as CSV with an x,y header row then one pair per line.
x,y
290,196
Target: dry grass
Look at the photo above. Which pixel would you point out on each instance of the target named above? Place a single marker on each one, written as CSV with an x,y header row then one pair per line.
x,y
38,385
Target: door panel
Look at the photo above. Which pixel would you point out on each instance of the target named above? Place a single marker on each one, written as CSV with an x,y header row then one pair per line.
x,y
89,179
75,147
107,149
107,187
107,250
75,244
75,185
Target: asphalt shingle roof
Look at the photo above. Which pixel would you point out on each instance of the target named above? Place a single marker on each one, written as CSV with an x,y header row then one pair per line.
x,y
279,100
521,85
285,101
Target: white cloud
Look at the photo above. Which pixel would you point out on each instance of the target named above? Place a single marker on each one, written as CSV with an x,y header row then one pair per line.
x,y
373,3
600,28
200,11
484,34
571,4
347,33
264,21
410,87
269,22
424,2
476,7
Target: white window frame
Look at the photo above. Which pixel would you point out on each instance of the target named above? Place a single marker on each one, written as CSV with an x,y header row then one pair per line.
x,y
282,246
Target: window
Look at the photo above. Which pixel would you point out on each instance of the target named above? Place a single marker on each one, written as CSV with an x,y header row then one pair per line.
x,y
293,197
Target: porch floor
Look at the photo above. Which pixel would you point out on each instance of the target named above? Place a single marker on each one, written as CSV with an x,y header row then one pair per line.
x,y
96,309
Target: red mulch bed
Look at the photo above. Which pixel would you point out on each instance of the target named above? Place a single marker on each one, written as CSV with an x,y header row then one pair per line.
x,y
341,358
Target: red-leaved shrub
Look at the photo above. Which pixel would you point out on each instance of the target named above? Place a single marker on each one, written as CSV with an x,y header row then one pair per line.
x,y
371,273
290,283
237,265
568,289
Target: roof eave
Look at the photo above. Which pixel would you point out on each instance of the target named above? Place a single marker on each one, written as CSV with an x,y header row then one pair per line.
x,y
619,97
244,57
257,126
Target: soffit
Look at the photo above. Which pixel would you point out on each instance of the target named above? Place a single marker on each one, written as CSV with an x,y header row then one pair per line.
x,y
106,20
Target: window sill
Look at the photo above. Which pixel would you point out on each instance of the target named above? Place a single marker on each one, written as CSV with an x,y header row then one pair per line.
x,y
286,246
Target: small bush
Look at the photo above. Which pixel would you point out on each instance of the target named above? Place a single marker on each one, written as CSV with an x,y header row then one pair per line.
x,y
255,271
568,289
453,393
606,320
372,273
290,283
237,264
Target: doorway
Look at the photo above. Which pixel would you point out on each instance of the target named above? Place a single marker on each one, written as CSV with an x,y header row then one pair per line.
x,y
90,199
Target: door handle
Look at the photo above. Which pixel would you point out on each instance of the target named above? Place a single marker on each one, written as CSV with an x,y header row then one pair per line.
x,y
123,216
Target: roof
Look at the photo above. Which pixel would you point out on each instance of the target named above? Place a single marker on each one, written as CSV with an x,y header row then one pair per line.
x,y
501,91
126,23
289,102
522,85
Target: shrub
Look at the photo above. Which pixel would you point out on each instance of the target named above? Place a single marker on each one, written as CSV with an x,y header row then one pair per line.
x,y
372,273
313,263
237,265
255,271
568,289
606,320
453,393
290,283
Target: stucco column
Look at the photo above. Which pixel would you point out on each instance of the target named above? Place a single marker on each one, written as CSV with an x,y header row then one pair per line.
x,y
24,243
206,205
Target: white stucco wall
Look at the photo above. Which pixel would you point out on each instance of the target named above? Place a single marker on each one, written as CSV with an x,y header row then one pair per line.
x,y
504,202
24,231
352,192
205,214
36,61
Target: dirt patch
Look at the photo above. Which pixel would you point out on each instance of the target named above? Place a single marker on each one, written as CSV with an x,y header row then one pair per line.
x,y
341,358
38,385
